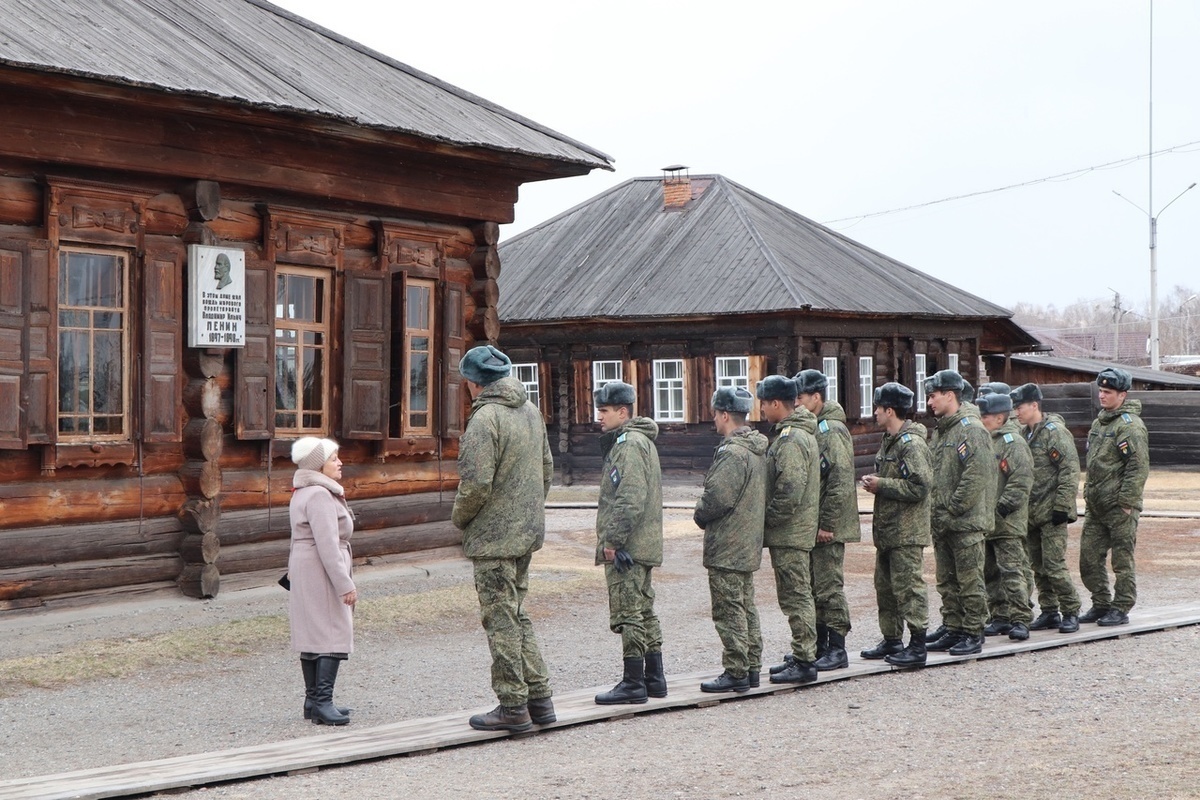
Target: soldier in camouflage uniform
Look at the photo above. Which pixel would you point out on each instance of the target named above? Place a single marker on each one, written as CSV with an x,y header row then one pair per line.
x,y
999,387
504,470
731,511
1052,506
629,541
838,521
962,511
1118,463
901,484
790,526
1006,560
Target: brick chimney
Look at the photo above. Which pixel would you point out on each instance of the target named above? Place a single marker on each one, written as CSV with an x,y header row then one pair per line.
x,y
677,187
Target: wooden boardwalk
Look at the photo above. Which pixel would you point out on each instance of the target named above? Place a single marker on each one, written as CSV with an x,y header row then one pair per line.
x,y
429,734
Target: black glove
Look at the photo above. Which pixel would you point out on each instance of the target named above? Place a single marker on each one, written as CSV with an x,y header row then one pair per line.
x,y
1059,517
622,561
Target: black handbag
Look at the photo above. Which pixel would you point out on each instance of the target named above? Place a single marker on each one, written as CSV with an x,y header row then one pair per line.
x,y
285,582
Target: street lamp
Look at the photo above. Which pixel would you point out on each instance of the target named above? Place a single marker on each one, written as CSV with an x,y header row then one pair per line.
x,y
1154,360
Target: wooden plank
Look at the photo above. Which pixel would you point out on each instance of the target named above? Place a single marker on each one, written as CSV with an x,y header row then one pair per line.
x,y
415,736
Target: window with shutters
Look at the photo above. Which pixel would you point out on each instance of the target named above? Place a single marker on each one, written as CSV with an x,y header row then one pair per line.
x,y
529,376
413,341
93,345
733,371
302,329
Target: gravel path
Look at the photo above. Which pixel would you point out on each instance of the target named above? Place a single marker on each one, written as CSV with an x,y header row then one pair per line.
x,y
1119,718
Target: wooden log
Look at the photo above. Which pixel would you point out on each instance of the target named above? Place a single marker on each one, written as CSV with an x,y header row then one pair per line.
x,y
201,200
199,580
202,398
200,548
82,576
257,525
203,439
485,263
21,202
486,233
201,478
486,292
200,516
491,324
200,363
124,497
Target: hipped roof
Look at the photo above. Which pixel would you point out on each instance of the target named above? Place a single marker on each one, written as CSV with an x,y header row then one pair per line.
x,y
729,251
258,55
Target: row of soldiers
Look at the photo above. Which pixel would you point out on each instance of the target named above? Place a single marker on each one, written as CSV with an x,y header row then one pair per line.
x,y
993,499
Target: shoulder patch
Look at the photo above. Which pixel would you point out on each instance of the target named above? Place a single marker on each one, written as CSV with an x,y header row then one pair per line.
x,y
1008,438
823,426
1004,465
1126,417
721,449
904,472
965,421
785,432
825,465
1055,455
615,476
1124,447
906,438
1050,426
620,438
964,451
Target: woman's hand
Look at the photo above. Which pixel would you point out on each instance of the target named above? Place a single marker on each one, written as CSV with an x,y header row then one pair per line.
x,y
350,597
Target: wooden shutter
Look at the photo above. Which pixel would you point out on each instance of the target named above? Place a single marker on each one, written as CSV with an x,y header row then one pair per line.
x,y
758,371
25,347
364,411
454,344
584,411
254,396
162,341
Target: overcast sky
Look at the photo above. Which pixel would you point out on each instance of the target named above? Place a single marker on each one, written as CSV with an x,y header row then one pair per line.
x,y
839,108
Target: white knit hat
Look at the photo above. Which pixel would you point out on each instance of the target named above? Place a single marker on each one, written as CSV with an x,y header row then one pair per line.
x,y
309,452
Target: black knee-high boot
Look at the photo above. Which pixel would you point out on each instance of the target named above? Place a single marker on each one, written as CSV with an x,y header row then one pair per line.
x,y
308,665
324,712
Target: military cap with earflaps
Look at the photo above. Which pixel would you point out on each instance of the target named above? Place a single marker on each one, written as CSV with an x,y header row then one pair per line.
x,y
894,395
1026,393
811,381
994,403
1116,379
945,380
484,365
727,398
776,387
614,393
995,387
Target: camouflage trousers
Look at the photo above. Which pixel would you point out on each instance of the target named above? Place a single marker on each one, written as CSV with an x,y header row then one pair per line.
x,y
828,586
1048,559
793,573
900,590
518,671
959,558
1004,565
736,620
631,610
1113,531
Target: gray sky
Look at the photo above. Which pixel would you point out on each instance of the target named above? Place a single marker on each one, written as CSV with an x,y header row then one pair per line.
x,y
842,108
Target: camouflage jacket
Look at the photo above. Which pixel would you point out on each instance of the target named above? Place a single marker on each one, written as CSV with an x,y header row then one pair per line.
x,y
1055,470
839,494
504,471
1013,482
964,475
1118,459
901,514
734,501
630,514
793,483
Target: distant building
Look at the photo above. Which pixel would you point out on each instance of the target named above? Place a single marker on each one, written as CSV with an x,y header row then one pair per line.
x,y
684,284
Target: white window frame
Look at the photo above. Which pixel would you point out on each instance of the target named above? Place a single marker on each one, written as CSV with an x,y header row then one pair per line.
x,y
533,385
952,362
673,388
921,364
599,378
866,384
731,379
829,366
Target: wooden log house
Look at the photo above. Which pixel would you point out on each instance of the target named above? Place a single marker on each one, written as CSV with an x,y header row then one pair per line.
x,y
683,284
365,197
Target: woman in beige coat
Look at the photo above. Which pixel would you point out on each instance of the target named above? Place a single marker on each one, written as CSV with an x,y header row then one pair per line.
x,y
321,603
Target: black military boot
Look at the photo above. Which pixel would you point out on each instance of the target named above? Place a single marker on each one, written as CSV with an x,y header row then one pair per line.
x,y
1069,624
945,641
936,634
997,627
797,672
309,667
1093,614
787,660
1046,620
886,647
753,677
503,718
725,682
1114,616
969,644
822,640
324,712
912,656
1019,632
631,689
541,711
656,681
834,656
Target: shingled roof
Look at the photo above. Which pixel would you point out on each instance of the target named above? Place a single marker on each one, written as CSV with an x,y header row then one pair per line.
x,y
256,54
728,251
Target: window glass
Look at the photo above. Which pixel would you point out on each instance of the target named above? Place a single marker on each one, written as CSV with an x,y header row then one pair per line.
x,y
866,385
829,366
301,342
669,391
527,374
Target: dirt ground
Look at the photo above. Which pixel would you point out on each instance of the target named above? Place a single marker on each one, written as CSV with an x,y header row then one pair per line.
x,y
161,676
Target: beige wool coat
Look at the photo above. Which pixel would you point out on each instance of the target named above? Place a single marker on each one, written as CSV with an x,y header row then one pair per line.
x,y
319,565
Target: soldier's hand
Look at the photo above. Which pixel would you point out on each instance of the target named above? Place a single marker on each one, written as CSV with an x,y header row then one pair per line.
x,y
609,554
1059,517
1127,511
824,537
871,483
622,561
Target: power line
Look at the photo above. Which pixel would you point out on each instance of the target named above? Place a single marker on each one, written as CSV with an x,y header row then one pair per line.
x,y
1062,176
